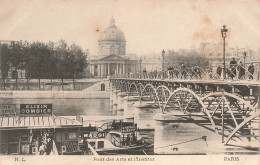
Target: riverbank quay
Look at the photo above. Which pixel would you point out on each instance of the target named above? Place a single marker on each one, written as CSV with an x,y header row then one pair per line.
x,y
55,94
97,90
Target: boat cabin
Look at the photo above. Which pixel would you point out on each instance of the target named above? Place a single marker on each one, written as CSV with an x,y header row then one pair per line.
x,y
108,131
25,134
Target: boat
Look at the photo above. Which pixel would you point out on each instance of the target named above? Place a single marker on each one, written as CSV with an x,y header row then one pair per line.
x,y
111,135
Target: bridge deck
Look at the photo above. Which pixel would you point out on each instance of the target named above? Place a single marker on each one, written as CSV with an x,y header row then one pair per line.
x,y
215,82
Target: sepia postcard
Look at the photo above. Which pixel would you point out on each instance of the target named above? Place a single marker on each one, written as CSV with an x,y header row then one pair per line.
x,y
130,82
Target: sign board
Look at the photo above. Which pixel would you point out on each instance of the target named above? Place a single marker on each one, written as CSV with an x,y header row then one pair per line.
x,y
35,109
7,109
128,129
94,135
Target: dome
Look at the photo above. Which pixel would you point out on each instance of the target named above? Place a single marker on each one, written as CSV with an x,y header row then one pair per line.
x,y
112,33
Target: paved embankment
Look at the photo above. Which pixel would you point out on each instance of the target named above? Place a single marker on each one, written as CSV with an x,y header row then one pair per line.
x,y
55,94
93,91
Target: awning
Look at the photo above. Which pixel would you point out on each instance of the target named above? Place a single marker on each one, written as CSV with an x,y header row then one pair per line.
x,y
34,122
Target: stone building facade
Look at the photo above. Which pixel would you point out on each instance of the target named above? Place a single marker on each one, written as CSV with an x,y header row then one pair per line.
x,y
111,57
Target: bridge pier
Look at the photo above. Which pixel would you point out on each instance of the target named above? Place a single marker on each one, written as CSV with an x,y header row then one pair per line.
x,y
125,105
111,96
115,101
178,138
120,101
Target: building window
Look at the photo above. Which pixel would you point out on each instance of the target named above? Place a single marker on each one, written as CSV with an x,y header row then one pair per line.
x,y
93,144
100,144
25,137
72,135
13,137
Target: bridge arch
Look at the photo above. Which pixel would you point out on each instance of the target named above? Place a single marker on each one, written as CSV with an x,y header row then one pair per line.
x,y
237,113
247,120
154,90
197,98
229,95
123,86
132,84
165,93
164,87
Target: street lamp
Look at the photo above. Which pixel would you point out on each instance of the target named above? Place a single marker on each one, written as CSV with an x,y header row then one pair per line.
x,y
163,54
140,64
223,33
244,56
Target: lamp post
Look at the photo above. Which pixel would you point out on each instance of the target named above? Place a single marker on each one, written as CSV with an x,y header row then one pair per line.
x,y
163,54
140,61
244,56
223,33
140,66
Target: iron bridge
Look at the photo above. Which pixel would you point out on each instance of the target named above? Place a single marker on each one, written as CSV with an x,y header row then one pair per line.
x,y
231,107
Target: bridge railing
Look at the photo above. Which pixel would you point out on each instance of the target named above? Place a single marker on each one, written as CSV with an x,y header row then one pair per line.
x,y
44,84
233,72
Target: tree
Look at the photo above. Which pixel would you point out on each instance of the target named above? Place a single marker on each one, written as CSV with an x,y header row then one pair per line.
x,y
43,60
189,58
5,60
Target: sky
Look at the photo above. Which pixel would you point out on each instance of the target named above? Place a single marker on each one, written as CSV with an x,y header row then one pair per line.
x,y
149,25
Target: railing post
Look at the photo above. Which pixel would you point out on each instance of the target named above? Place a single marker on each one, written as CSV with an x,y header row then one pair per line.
x,y
39,84
73,83
51,83
4,83
62,83
27,84
16,84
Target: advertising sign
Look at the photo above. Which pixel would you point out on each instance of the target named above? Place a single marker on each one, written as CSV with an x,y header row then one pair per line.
x,y
7,109
94,135
128,129
35,109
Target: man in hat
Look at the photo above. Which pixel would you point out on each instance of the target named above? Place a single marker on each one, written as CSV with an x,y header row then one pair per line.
x,y
219,70
241,71
233,65
251,70
183,71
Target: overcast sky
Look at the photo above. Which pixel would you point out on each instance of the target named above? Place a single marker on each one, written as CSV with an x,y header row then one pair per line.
x,y
148,25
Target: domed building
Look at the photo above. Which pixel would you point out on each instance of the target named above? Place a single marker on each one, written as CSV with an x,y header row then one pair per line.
x,y
111,57
112,41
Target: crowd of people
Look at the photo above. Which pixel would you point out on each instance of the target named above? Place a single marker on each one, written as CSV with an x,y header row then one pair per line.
x,y
183,72
234,68
233,71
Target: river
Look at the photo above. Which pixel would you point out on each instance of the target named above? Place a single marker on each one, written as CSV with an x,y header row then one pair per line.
x,y
168,138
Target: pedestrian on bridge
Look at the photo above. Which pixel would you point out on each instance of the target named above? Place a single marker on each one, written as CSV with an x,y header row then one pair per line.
x,y
241,71
183,71
169,72
219,70
176,72
155,73
193,72
233,66
144,72
251,70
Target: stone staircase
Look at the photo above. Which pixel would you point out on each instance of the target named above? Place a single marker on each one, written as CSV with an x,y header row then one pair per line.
x,y
97,86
